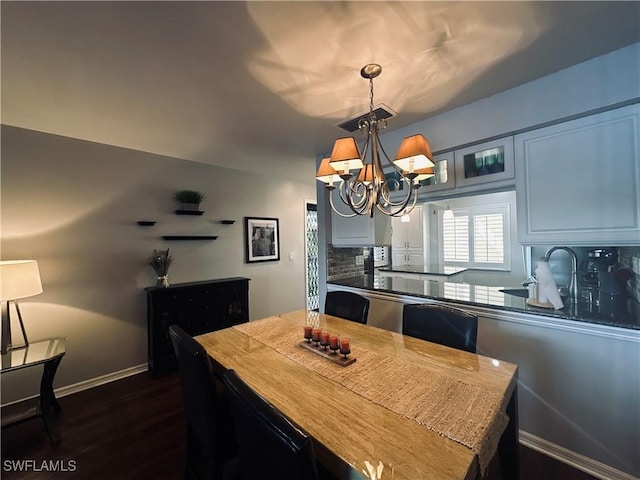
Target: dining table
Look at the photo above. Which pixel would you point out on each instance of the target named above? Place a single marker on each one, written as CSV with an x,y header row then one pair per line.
x,y
394,407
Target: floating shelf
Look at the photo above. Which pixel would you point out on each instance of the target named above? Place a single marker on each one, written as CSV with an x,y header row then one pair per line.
x,y
189,212
227,222
189,237
146,223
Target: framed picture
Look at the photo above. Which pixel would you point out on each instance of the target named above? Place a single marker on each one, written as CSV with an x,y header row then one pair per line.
x,y
262,239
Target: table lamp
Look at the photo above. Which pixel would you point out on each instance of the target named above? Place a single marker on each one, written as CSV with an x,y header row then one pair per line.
x,y
18,279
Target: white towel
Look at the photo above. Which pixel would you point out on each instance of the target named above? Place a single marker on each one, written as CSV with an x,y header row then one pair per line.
x,y
547,288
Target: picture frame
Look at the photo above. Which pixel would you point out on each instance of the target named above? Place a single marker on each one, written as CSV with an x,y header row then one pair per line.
x,y
261,239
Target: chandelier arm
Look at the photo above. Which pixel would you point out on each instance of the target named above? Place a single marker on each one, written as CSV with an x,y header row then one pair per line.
x,y
387,197
347,193
333,207
396,168
403,209
350,189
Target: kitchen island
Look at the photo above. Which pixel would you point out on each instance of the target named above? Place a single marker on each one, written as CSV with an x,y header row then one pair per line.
x,y
579,380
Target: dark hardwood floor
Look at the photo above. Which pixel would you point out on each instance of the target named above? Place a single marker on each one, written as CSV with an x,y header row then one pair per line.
x,y
134,429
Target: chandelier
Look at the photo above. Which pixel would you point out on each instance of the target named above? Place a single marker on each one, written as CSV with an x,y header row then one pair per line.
x,y
365,183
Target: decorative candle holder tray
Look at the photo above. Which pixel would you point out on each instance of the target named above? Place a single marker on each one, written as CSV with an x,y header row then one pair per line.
x,y
328,354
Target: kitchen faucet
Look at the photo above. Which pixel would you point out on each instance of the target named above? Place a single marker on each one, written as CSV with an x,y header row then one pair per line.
x,y
573,286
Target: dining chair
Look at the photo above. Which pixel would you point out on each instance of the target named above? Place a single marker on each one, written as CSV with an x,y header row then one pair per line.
x,y
347,305
440,324
270,445
211,444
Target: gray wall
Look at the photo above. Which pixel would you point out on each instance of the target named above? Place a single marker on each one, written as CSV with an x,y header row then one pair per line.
x,y
73,206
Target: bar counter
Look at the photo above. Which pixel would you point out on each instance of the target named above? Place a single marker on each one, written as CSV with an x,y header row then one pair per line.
x,y
620,310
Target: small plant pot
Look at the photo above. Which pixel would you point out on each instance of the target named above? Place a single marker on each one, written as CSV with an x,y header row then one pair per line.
x,y
193,207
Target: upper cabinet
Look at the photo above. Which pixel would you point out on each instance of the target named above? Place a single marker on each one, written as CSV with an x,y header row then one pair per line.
x,y
361,230
481,167
444,178
577,182
485,163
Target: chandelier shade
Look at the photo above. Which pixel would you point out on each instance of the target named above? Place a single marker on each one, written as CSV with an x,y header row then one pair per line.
x,y
346,155
326,173
389,187
414,153
423,174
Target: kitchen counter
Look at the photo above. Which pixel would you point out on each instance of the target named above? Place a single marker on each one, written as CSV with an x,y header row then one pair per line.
x,y
621,310
424,270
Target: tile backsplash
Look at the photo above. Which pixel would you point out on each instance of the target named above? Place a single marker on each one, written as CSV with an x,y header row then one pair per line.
x,y
343,262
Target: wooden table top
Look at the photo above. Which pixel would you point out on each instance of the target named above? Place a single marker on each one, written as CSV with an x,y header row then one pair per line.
x,y
356,436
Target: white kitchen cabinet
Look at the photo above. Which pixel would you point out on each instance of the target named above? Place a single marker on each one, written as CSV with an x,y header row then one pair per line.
x,y
360,231
444,178
577,182
407,239
485,164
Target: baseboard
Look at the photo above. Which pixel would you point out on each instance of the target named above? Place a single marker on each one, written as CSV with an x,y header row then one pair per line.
x,y
93,382
575,460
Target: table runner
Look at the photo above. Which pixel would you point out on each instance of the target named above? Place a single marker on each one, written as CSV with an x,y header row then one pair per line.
x,y
464,413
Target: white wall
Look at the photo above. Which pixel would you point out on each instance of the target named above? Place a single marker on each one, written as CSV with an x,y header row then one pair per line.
x,y
73,206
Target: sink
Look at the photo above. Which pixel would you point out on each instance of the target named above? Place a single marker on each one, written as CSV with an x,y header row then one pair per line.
x,y
518,292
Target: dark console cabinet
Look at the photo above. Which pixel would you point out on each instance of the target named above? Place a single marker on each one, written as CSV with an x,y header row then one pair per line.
x,y
197,307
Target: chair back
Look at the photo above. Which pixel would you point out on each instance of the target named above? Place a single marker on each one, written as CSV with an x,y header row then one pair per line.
x,y
440,324
270,445
347,305
210,434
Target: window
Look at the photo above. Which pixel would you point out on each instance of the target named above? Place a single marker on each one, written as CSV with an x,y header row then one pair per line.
x,y
476,237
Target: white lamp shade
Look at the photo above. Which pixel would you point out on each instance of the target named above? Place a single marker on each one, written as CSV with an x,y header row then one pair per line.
x,y
448,214
414,153
346,155
19,279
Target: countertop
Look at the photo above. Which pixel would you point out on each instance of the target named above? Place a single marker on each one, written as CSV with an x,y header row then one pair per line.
x,y
620,310
423,269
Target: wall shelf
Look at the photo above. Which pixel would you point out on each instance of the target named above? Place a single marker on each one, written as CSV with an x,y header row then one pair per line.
x,y
146,223
227,222
189,237
189,212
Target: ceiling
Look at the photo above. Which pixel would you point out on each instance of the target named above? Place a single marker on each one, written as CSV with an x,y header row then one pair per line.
x,y
261,85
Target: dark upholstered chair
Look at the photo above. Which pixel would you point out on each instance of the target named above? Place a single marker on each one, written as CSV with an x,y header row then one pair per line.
x,y
439,324
210,435
270,445
347,305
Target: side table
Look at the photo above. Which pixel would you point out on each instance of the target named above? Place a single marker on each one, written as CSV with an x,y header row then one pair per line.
x,y
48,353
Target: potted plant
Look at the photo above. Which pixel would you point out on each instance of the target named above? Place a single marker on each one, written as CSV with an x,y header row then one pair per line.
x,y
190,199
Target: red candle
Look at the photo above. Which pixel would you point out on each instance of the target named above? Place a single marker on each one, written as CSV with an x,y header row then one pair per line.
x,y
333,342
325,337
308,332
345,347
316,334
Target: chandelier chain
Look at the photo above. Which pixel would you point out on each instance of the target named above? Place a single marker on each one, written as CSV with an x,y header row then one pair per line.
x,y
371,97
